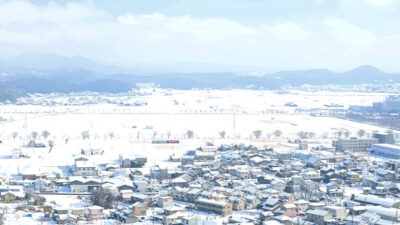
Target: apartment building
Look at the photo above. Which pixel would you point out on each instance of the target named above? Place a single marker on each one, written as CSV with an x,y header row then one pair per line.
x,y
220,208
354,144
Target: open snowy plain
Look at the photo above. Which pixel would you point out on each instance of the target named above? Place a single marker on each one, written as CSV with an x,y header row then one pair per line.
x,y
119,127
168,115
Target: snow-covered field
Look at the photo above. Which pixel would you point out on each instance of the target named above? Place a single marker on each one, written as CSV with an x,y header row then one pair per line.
x,y
128,129
168,115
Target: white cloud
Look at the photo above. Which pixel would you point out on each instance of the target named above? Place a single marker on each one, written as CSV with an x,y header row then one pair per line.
x,y
83,29
23,12
351,35
211,29
380,3
288,31
131,19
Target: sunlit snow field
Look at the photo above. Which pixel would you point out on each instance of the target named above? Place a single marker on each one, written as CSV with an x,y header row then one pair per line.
x,y
206,113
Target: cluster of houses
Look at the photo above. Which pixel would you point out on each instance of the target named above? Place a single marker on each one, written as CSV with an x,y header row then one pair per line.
x,y
83,98
230,184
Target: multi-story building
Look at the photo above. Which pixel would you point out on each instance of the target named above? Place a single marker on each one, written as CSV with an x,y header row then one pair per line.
x,y
165,201
338,213
318,216
220,208
384,138
354,144
386,150
84,167
391,104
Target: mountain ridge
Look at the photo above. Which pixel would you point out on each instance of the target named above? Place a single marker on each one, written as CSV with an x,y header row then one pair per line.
x,y
81,74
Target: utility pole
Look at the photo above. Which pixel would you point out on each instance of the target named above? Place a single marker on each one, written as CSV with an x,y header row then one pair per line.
x,y
234,126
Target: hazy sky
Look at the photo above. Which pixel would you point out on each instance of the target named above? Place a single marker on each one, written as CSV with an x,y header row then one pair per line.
x,y
287,34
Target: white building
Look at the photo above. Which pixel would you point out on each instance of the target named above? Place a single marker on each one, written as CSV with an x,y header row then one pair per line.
x,y
386,150
85,168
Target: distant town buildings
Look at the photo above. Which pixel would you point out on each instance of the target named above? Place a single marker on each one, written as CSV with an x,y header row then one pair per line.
x,y
386,150
384,138
354,144
390,104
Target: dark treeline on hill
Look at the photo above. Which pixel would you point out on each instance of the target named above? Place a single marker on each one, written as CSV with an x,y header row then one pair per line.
x,y
65,75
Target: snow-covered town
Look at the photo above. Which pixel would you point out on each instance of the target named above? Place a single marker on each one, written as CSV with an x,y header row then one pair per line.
x,y
200,112
196,157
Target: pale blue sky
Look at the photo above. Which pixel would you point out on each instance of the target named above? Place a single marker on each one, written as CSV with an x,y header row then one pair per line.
x,y
287,34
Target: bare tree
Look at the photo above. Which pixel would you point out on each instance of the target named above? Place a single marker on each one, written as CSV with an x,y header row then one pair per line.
x,y
222,134
14,135
45,134
257,133
308,188
154,134
189,134
340,133
111,135
38,200
85,134
277,133
103,198
302,134
51,145
361,133
168,134
34,135
347,133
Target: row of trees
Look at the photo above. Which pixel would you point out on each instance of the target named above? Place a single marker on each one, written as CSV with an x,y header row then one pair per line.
x,y
346,133
258,133
45,134
190,134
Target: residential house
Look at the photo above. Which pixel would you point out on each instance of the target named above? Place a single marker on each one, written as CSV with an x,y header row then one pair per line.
x,y
8,197
139,209
290,210
302,205
84,185
338,213
165,201
85,168
96,212
318,216
126,195
132,161
142,198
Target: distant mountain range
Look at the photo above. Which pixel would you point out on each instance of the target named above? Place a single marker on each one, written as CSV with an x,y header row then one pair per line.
x,y
46,73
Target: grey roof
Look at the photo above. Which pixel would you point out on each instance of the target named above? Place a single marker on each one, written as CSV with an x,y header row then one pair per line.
x,y
271,201
211,202
375,200
318,212
389,212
